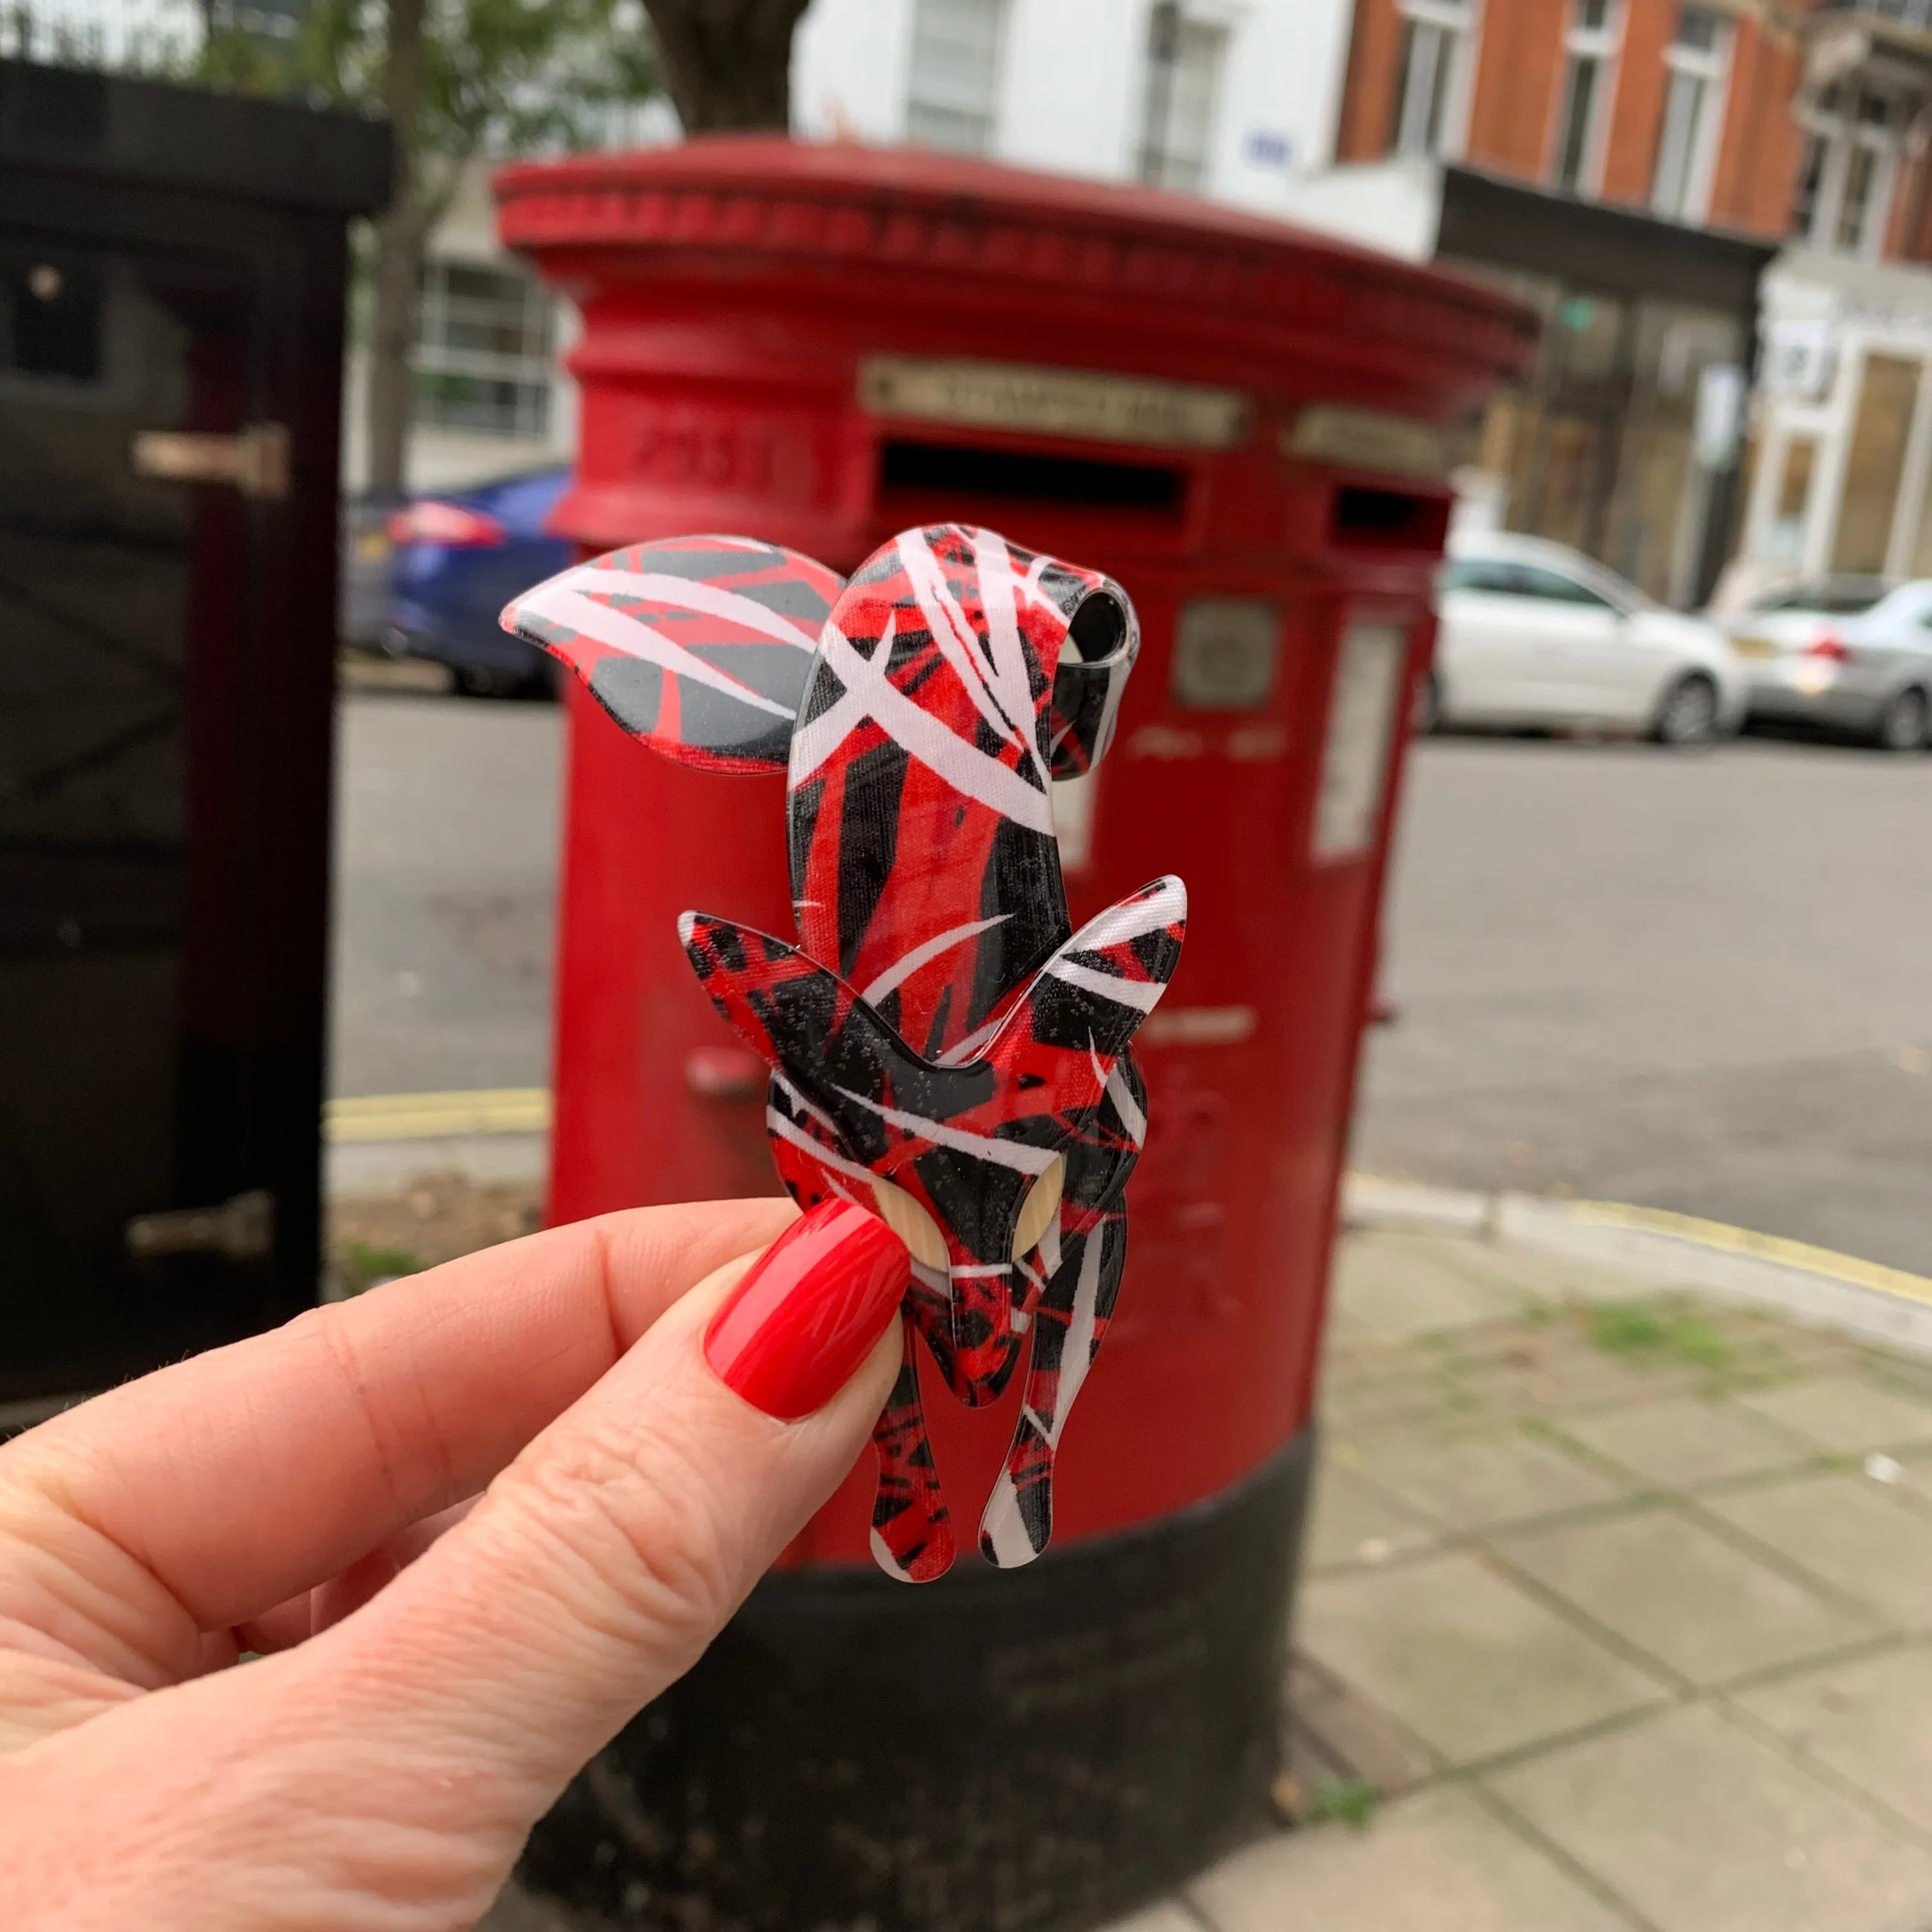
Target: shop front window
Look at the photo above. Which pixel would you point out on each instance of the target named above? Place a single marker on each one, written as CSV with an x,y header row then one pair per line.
x,y
1793,503
1599,450
1875,464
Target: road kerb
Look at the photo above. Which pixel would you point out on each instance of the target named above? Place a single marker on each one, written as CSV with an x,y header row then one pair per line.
x,y
1806,1284
410,1117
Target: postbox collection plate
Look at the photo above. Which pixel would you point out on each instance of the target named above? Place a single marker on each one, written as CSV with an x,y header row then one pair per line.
x,y
943,1046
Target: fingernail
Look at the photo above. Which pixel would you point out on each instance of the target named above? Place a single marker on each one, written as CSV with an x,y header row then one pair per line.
x,y
792,1332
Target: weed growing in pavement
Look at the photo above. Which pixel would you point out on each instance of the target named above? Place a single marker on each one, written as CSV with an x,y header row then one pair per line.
x,y
374,1265
1658,1328
1347,1801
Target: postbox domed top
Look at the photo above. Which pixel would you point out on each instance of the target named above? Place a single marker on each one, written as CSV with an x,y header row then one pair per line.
x,y
764,202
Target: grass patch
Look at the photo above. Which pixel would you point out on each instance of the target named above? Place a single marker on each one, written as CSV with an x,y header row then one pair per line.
x,y
1346,1800
371,1264
1655,1329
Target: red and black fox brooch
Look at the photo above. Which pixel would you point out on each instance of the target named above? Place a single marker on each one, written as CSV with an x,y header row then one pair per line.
x,y
944,1048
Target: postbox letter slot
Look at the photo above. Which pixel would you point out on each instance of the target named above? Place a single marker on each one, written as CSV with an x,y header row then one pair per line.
x,y
1364,518
959,471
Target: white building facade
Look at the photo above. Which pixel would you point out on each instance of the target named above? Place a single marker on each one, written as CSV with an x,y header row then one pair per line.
x,y
1224,98
1232,99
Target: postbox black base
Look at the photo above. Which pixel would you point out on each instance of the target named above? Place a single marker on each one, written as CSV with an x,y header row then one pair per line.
x,y
1045,1748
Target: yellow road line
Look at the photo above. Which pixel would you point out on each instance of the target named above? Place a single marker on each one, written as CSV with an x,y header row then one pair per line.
x,y
1721,1235
527,1110
414,1116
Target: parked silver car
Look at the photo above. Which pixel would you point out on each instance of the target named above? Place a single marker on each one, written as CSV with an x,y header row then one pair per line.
x,y
1853,653
1534,633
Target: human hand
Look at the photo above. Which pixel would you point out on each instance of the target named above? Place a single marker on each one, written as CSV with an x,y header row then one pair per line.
x,y
440,1662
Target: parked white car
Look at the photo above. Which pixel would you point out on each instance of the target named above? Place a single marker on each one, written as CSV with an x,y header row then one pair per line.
x,y
1532,633
1851,653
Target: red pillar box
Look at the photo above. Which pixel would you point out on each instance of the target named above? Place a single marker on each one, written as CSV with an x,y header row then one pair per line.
x,y
1248,430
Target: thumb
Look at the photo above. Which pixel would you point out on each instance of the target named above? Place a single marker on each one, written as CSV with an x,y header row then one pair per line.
x,y
600,1564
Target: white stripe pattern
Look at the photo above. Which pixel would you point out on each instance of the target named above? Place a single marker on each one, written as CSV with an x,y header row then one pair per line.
x,y
870,692
781,1128
902,970
686,593
953,637
636,639
984,1146
1125,1105
1132,919
1142,995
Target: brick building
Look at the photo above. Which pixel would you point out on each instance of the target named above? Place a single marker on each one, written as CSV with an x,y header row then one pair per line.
x,y
1632,168
1680,110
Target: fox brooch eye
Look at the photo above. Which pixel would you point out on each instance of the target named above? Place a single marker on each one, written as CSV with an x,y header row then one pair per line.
x,y
944,1048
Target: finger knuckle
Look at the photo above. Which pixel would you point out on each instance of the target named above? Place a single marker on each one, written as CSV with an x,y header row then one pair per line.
x,y
642,1522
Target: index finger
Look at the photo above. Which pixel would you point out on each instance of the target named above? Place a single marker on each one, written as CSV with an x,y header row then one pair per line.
x,y
252,1471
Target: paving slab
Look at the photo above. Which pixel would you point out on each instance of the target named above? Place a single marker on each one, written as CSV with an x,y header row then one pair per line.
x,y
1678,1591
1394,1288
1846,1413
1848,1530
1538,1271
1704,1828
1438,1861
1354,1523
1483,1481
1870,1720
1683,1441
1473,1664
1167,1916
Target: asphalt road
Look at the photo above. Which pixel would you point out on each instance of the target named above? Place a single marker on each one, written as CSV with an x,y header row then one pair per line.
x,y
447,811
1701,982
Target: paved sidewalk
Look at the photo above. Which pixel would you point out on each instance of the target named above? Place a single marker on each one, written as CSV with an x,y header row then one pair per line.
x,y
1616,1608
1636,1589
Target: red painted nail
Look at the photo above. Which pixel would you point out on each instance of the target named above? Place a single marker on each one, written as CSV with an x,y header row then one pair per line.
x,y
792,1332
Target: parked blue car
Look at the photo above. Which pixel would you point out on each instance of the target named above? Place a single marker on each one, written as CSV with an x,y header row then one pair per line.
x,y
455,560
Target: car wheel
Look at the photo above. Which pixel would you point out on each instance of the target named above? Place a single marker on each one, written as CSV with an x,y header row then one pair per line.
x,y
1903,723
1688,715
1426,716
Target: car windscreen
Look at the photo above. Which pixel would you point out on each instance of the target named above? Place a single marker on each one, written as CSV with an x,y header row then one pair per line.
x,y
1839,599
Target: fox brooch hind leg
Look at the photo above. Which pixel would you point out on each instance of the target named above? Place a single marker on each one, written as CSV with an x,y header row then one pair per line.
x,y
944,1048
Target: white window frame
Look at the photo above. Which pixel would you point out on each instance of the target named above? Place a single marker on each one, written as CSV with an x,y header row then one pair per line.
x,y
1712,65
1603,45
1152,164
1462,21
531,370
1843,131
996,107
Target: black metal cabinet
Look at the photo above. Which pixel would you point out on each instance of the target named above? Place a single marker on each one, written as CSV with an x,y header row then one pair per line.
x,y
173,273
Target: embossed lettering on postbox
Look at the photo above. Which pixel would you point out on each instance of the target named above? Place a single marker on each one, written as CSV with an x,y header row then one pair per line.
x,y
1055,402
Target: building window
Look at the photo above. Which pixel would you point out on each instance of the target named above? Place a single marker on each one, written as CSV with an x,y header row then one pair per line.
x,y
483,351
1590,46
1431,77
953,100
1693,114
1185,58
1843,191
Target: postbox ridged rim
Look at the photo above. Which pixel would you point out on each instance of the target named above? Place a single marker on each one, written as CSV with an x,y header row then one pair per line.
x,y
766,197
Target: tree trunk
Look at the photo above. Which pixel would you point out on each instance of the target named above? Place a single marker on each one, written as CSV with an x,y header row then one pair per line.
x,y
401,233
727,63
